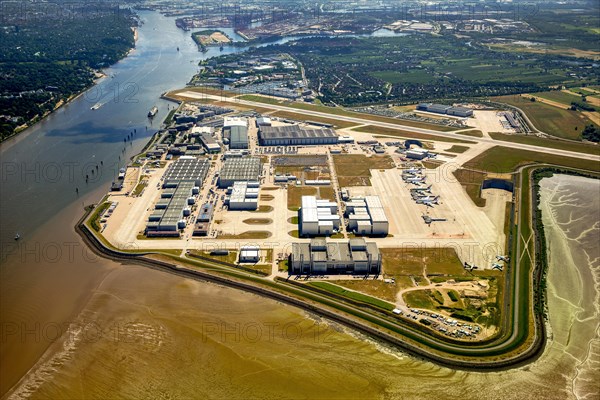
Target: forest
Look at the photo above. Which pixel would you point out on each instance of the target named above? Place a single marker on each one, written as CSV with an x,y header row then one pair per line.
x,y
46,60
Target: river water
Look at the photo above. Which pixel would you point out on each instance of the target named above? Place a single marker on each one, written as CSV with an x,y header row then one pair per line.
x,y
75,326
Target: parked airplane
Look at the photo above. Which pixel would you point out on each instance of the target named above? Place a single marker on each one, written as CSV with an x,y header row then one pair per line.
x,y
429,202
497,266
412,171
427,198
503,258
415,179
470,267
427,189
428,220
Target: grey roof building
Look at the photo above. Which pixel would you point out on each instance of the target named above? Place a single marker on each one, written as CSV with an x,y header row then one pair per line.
x,y
238,137
245,169
295,135
179,183
321,257
186,169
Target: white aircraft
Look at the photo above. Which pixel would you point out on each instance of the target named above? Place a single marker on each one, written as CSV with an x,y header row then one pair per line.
x,y
497,266
470,267
503,258
412,171
427,198
426,189
428,201
414,179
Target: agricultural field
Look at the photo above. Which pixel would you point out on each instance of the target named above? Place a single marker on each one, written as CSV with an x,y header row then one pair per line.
x,y
558,97
405,69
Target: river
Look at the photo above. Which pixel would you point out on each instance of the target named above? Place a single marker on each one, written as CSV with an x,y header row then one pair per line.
x,y
75,326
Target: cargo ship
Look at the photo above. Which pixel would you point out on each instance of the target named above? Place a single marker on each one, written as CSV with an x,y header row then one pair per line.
x,y
152,112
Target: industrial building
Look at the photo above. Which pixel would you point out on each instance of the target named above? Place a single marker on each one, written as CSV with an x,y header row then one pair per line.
x,y
366,216
318,217
170,218
249,254
444,109
238,137
186,169
235,130
209,143
319,257
243,196
295,135
417,154
263,121
245,169
181,182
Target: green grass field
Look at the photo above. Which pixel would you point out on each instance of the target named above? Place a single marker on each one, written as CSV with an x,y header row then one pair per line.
x,y
552,120
413,260
355,169
558,96
363,298
551,143
401,133
97,215
471,181
473,133
247,235
502,160
457,149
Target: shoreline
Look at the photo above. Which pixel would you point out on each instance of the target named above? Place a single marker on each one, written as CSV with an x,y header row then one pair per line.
x,y
99,75
363,325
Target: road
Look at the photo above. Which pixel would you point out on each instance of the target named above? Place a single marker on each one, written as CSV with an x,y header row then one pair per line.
x,y
450,135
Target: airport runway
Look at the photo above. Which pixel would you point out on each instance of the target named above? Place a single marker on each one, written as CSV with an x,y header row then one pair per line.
x,y
565,153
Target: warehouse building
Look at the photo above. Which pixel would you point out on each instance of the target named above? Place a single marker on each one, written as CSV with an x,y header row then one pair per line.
x,y
243,196
319,257
235,131
238,137
318,217
366,216
168,220
181,182
186,169
444,109
460,112
263,121
209,143
245,169
295,135
417,154
249,254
